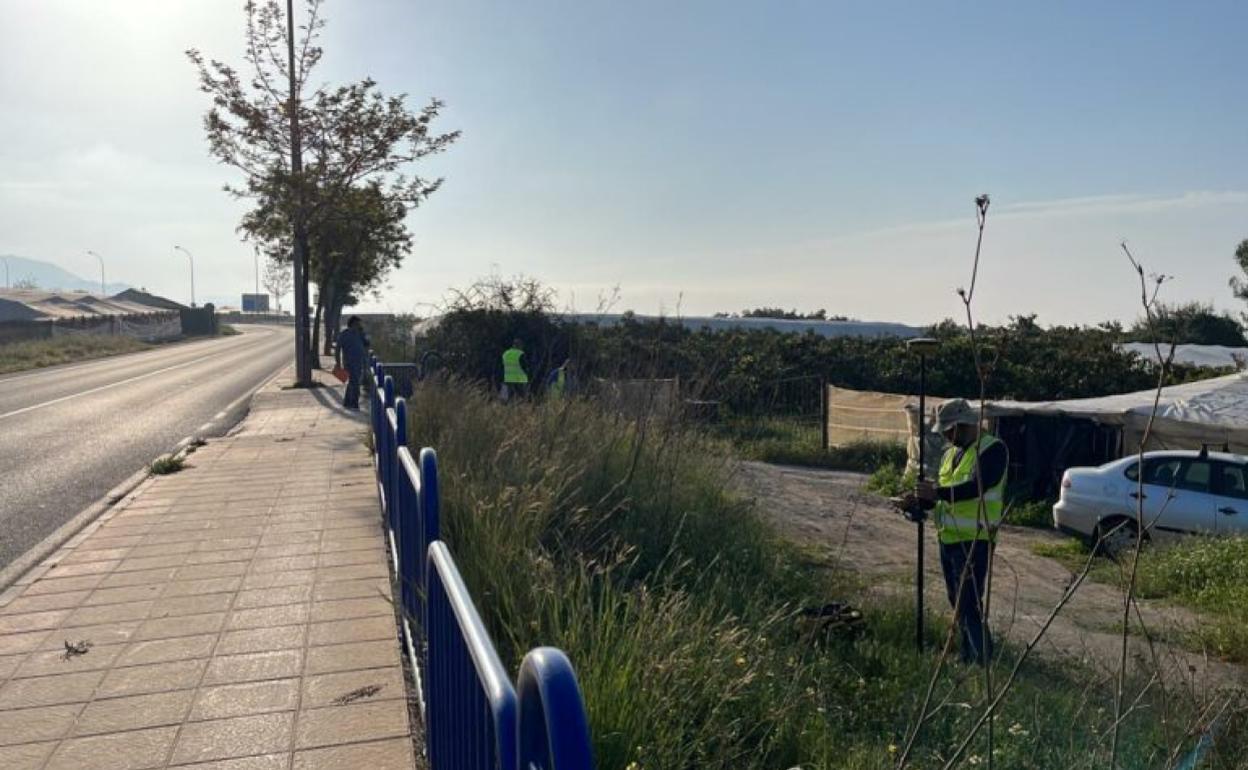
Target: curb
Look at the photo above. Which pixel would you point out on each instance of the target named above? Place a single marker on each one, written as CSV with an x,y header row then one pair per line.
x,y
17,570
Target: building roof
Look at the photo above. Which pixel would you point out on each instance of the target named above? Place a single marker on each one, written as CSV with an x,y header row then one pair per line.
x,y
39,305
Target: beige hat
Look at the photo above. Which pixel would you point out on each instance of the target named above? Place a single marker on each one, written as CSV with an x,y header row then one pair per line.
x,y
956,411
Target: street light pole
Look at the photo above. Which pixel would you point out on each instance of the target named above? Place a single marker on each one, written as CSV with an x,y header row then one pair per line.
x,y
103,291
255,250
6,272
192,260
922,346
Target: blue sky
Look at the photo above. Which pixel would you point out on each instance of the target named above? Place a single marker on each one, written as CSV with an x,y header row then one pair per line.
x,y
700,156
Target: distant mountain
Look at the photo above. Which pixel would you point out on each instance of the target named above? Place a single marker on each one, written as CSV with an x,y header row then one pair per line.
x,y
49,276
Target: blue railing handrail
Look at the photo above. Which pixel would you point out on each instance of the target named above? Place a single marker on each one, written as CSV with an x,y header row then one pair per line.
x,y
541,727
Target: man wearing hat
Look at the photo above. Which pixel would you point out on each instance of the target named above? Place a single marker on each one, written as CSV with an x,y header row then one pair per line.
x,y
969,502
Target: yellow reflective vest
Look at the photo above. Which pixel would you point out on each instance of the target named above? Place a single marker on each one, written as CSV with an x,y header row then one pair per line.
x,y
513,372
962,521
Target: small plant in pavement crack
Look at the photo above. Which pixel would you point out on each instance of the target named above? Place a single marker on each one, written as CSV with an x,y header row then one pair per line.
x,y
166,465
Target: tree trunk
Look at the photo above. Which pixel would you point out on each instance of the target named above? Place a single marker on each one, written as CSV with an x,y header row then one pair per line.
x,y
316,330
330,324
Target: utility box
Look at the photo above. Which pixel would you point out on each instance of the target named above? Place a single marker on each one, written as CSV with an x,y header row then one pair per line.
x,y
255,303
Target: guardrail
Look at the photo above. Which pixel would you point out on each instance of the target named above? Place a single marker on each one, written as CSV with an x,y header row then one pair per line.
x,y
474,717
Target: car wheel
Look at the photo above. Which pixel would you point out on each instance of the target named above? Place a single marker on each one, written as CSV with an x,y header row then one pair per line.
x,y
1116,536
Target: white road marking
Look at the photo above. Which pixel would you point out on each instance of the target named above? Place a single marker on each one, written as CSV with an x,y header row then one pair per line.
x,y
126,381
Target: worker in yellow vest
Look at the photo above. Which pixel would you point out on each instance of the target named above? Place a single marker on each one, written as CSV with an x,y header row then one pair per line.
x,y
969,501
515,380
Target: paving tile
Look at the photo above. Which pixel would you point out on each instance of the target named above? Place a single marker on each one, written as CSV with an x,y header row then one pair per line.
x,y
237,737
110,613
134,712
49,690
105,554
351,589
350,724
218,557
363,686
353,630
52,586
29,756
346,657
254,666
132,593
32,621
105,633
278,579
378,569
158,677
191,605
42,602
138,578
134,750
13,644
204,586
391,754
280,551
62,662
331,544
343,609
9,664
37,724
151,563
261,639
165,650
263,762
205,571
260,617
236,700
283,564
85,568
268,597
185,625
162,549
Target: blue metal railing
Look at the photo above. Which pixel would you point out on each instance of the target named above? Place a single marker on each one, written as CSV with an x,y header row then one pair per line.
x,y
474,717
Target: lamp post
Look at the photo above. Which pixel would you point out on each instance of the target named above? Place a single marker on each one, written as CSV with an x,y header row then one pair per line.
x,y
6,272
255,250
192,259
103,291
923,346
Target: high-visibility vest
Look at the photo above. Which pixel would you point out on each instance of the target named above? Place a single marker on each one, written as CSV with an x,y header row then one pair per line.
x,y
962,521
513,372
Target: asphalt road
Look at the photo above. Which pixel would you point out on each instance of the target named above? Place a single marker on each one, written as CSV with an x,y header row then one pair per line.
x,y
69,434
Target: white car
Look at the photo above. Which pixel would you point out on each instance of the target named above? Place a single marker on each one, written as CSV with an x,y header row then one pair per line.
x,y
1185,492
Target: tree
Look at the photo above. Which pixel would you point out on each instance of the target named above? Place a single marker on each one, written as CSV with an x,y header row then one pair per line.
x,y
26,283
1240,285
277,280
352,136
1193,323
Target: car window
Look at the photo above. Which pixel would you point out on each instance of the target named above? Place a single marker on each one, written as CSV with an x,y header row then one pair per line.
x,y
1231,480
1132,472
1195,476
1162,471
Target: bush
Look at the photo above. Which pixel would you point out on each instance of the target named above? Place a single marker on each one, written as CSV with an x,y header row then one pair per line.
x,y
891,480
618,541
1030,513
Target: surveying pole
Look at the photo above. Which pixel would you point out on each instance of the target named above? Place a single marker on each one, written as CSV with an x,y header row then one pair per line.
x,y
923,346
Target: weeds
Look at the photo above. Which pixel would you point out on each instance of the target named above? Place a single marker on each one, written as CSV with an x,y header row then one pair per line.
x,y
36,354
617,541
163,466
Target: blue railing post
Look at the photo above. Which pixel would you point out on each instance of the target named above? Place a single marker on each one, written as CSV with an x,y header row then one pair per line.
x,y
553,729
430,505
400,440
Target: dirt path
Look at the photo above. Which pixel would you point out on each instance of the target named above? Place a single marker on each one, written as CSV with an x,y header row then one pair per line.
x,y
832,510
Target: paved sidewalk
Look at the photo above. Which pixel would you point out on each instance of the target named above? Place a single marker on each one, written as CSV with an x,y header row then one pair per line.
x,y
232,616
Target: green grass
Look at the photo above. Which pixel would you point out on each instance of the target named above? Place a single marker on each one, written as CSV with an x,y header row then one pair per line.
x,y
1208,575
36,354
619,542
163,466
794,441
1030,513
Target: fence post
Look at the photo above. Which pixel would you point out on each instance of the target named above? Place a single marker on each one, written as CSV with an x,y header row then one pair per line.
x,y
553,729
430,506
400,440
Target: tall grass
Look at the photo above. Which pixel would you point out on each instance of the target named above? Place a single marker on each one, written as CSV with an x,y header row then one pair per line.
x,y
619,541
35,354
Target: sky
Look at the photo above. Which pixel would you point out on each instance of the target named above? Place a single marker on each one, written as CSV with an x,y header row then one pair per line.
x,y
698,156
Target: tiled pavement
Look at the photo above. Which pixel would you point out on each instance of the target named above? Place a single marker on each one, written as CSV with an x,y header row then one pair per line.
x,y
237,614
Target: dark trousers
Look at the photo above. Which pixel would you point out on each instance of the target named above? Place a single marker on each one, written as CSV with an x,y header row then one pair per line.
x,y
351,398
966,594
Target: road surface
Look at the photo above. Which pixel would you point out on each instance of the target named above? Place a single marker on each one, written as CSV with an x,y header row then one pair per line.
x,y
69,434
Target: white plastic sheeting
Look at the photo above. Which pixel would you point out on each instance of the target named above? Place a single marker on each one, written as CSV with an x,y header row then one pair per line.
x,y
1212,356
